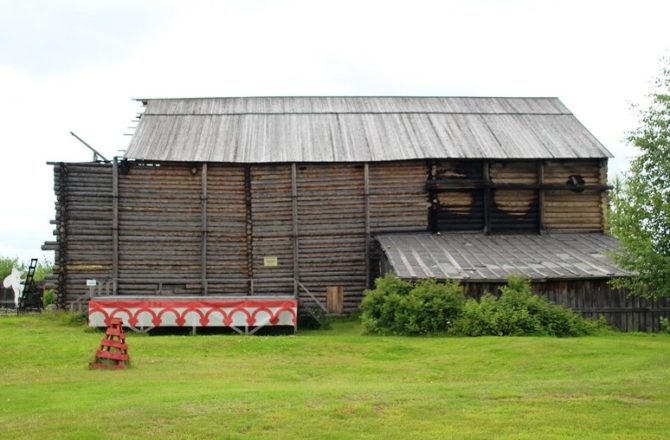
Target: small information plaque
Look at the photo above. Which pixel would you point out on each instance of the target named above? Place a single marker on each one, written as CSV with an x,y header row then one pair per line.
x,y
91,283
270,261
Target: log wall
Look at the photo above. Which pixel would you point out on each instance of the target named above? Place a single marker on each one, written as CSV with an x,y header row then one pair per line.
x,y
459,209
514,209
84,224
226,256
519,196
573,210
159,230
191,228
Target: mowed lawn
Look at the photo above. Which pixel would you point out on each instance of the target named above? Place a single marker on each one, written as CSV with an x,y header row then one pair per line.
x,y
333,384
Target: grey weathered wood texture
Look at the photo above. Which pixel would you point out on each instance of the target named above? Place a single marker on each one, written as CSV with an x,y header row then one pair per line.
x,y
185,228
359,129
594,299
318,219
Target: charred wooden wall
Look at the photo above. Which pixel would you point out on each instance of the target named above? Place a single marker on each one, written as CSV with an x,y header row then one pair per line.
x,y
594,299
498,196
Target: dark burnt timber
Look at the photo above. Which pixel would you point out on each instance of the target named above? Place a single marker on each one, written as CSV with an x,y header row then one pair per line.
x,y
446,185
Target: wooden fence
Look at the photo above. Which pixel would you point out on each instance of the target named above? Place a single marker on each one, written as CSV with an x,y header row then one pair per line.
x,y
593,299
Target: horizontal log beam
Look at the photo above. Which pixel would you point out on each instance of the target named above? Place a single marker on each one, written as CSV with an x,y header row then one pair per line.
x,y
448,185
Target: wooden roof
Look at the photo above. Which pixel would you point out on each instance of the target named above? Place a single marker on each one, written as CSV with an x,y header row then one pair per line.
x,y
359,129
482,258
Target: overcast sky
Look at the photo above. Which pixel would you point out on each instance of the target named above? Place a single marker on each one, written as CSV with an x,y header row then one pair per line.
x,y
75,65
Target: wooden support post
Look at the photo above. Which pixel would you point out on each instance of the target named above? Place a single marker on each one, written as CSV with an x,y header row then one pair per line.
x,y
540,197
294,217
203,256
487,196
115,226
432,197
366,192
604,196
249,229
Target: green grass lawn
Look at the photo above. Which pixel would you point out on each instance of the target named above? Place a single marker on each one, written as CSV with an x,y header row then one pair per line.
x,y
333,384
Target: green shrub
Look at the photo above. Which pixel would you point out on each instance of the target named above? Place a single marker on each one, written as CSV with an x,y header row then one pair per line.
x,y
6,265
663,325
49,297
517,312
477,318
399,307
396,306
379,304
43,268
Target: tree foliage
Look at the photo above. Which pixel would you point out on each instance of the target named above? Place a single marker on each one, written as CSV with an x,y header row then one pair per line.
x,y
43,268
640,215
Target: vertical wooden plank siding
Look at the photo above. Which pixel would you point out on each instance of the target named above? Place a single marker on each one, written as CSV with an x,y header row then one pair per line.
x,y
593,299
295,220
115,226
203,209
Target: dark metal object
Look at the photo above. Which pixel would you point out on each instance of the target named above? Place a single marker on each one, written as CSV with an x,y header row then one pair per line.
x,y
32,297
96,153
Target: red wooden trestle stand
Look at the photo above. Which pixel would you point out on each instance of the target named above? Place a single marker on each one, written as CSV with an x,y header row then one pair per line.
x,y
113,352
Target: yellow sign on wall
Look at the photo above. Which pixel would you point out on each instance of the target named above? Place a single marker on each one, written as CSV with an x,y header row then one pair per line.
x,y
270,261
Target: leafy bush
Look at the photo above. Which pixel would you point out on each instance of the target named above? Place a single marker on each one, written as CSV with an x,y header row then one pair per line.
x,y
43,268
6,265
396,306
49,297
664,325
517,312
399,307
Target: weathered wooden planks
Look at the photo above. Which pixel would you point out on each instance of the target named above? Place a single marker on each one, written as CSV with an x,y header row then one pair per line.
x,y
594,299
209,228
226,230
568,210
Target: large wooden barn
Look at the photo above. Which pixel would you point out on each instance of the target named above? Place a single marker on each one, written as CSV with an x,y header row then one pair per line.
x,y
287,196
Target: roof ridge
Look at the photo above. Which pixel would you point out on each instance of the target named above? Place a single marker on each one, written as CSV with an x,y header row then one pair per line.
x,y
345,96
409,112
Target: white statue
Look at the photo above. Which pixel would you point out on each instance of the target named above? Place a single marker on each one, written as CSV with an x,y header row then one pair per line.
x,y
13,280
